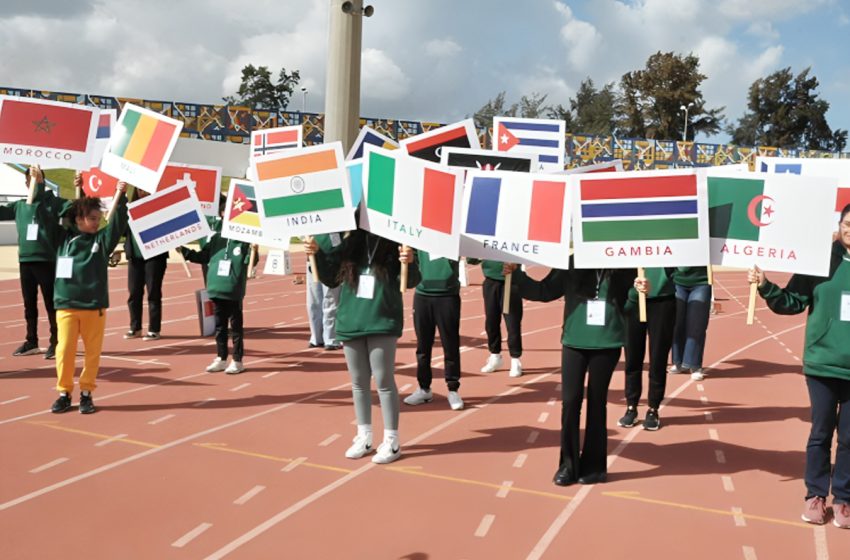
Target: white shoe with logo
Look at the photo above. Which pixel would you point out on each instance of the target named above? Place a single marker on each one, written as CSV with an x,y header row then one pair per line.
x,y
494,362
361,445
388,451
217,365
516,368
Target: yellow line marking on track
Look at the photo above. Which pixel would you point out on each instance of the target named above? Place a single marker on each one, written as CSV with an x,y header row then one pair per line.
x,y
55,426
224,447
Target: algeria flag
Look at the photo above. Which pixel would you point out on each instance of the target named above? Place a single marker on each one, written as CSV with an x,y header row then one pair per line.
x,y
781,223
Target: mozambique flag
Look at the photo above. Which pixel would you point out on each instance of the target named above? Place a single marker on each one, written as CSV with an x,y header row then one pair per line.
x,y
243,207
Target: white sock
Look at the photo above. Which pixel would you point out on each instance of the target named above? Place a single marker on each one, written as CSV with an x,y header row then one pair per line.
x,y
391,436
364,429
85,393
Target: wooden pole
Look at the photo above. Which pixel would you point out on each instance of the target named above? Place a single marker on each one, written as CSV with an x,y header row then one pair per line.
x,y
251,261
506,300
312,258
710,270
115,200
403,283
751,308
32,186
185,264
642,299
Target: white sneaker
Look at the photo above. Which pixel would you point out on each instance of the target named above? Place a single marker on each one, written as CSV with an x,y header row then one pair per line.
x,y
362,444
216,365
419,396
494,362
516,368
674,369
698,374
455,401
388,452
234,367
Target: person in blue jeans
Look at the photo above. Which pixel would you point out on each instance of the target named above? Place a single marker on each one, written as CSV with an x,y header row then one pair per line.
x,y
693,307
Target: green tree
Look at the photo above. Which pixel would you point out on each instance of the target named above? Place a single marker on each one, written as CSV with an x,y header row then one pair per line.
x,y
258,91
785,111
650,100
496,107
593,108
532,106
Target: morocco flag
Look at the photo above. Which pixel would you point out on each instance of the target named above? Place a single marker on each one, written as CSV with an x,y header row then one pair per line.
x,y
47,133
779,222
412,201
429,145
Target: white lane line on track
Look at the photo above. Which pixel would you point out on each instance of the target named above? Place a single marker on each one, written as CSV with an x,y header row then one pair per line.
x,y
191,535
551,402
727,483
709,417
161,419
504,489
703,399
543,417
330,440
10,401
293,464
821,547
738,516
49,465
404,387
720,456
520,460
240,387
532,437
484,526
109,440
205,401
712,434
270,374
241,500
749,553
700,387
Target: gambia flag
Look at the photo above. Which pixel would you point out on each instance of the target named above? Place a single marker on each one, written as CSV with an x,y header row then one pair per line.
x,y
304,191
780,222
412,201
429,145
625,220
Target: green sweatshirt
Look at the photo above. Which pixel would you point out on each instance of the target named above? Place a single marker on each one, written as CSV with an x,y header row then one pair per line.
x,y
493,270
691,276
439,276
87,287
357,317
661,284
577,287
224,281
827,346
44,212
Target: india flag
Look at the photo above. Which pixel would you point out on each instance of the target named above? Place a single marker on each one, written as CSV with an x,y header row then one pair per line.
x,y
412,201
775,221
517,217
303,191
625,220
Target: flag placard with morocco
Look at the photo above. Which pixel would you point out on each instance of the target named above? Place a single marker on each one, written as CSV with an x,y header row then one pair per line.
x,y
141,143
273,140
371,137
47,133
544,137
204,180
516,217
242,220
776,221
814,167
412,201
640,219
429,145
166,220
303,191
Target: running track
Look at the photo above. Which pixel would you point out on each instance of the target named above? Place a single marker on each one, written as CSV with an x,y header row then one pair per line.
x,y
179,463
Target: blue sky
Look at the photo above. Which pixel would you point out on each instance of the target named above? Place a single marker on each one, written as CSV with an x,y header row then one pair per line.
x,y
422,59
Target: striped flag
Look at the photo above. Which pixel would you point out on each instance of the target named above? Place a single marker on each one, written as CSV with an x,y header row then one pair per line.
x,y
429,145
166,220
140,146
488,160
625,220
517,217
272,140
814,167
371,137
105,124
412,201
304,191
46,133
544,137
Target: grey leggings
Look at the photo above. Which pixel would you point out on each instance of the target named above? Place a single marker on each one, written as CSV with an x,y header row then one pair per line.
x,y
373,356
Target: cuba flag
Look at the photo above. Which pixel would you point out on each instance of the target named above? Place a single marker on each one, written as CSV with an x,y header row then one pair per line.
x,y
516,217
544,137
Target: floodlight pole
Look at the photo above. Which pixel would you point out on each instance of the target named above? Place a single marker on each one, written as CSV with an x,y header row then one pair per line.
x,y
342,90
686,108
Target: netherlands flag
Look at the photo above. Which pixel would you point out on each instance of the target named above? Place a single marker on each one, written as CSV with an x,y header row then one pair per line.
x,y
543,137
167,219
273,140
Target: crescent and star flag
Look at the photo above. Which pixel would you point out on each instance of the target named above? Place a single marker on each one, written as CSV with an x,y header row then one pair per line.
x,y
47,133
412,201
372,137
544,137
429,145
303,191
204,180
98,183
166,220
488,160
242,216
272,140
140,146
775,221
640,218
105,124
516,217
814,167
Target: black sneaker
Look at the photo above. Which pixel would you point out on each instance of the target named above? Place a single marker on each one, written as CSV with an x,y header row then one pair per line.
x,y
86,404
51,352
27,349
652,422
62,404
629,418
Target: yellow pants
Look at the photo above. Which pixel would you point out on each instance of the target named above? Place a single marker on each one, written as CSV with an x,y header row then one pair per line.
x,y
71,324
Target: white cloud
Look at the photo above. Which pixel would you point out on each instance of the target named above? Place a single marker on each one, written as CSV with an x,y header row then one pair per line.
x,y
581,38
381,78
442,48
763,30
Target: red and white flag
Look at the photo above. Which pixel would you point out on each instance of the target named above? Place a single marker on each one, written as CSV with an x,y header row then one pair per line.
x,y
205,181
273,140
98,183
47,133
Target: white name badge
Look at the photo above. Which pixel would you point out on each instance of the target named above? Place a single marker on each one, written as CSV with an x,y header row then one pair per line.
x,y
32,232
335,240
64,267
366,286
845,306
596,312
94,247
224,268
